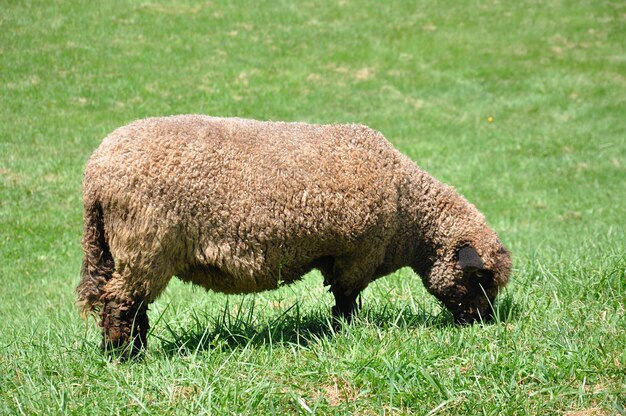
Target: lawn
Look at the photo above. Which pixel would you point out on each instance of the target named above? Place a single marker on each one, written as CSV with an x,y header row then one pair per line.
x,y
519,105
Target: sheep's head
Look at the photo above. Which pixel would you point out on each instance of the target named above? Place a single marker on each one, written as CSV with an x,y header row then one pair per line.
x,y
471,280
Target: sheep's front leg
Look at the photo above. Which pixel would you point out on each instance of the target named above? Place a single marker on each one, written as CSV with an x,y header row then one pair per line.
x,y
349,275
345,303
124,326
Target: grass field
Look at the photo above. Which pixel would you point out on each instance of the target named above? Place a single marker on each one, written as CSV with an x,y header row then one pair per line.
x,y
548,170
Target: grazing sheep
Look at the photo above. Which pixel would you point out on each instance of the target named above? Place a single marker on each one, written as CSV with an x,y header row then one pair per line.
x,y
239,206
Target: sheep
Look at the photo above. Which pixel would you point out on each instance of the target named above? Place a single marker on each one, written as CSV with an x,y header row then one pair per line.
x,y
241,206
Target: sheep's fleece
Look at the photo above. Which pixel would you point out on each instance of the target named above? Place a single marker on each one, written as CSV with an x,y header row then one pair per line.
x,y
240,206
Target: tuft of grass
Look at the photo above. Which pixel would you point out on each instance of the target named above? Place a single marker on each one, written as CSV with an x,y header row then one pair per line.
x,y
518,105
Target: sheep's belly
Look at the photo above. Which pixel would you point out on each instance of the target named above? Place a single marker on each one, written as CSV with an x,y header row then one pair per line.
x,y
213,278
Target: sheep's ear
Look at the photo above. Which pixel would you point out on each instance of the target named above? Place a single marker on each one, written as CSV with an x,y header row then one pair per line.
x,y
469,258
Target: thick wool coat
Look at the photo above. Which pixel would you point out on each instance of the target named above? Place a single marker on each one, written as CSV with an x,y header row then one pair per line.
x,y
240,206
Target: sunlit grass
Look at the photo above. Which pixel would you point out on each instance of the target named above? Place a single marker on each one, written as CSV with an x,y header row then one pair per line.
x,y
520,106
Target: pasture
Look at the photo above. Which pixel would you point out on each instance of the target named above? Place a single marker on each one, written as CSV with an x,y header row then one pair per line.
x,y
519,105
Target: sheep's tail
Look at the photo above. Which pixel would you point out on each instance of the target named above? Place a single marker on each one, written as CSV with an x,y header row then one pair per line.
x,y
98,264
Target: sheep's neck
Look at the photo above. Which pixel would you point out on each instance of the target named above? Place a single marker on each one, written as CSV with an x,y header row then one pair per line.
x,y
429,207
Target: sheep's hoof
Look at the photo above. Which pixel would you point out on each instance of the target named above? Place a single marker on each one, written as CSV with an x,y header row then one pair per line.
x,y
344,314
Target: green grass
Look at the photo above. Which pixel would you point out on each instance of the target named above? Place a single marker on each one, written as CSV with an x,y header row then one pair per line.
x,y
549,173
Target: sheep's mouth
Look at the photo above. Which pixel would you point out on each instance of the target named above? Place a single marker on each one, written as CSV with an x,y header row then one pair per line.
x,y
472,315
468,311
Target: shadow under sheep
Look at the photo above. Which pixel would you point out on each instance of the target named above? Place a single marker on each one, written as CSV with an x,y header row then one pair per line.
x,y
232,331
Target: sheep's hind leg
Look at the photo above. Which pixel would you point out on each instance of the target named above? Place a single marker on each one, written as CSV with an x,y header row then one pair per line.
x,y
125,305
124,326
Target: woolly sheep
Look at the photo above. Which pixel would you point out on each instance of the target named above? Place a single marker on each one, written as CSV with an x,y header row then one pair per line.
x,y
239,206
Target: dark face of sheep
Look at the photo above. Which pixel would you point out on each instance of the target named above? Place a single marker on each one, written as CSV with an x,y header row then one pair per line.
x,y
476,280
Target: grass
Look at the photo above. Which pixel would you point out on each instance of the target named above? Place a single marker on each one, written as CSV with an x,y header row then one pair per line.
x,y
548,172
